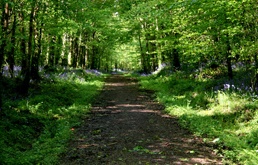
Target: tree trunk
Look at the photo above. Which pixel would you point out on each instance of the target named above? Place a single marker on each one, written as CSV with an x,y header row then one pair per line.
x,y
229,59
254,82
75,52
58,49
93,64
87,58
23,45
98,58
176,60
3,35
35,59
154,57
2,44
147,59
25,84
67,50
143,54
11,55
155,61
82,56
51,56
94,58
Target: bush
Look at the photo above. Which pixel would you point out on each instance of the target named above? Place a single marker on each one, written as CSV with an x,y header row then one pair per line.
x,y
228,118
36,129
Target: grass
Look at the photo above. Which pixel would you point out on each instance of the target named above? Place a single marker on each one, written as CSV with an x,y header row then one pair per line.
x,y
36,129
226,118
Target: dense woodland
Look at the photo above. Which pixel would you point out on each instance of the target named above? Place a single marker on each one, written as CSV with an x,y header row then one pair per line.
x,y
89,34
39,36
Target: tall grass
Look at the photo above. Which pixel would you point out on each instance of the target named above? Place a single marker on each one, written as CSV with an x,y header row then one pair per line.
x,y
36,129
226,118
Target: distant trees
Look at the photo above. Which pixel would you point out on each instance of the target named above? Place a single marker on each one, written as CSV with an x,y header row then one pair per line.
x,y
87,34
192,32
50,33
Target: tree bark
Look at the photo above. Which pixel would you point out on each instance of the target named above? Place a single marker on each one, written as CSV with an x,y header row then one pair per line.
x,y
25,84
82,56
58,49
143,54
11,55
35,59
51,55
229,59
176,60
3,25
23,45
93,64
254,82
75,52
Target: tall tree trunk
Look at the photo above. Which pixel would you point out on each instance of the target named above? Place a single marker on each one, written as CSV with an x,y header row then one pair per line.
x,y
93,64
143,54
229,59
87,58
73,53
152,49
3,27
154,57
82,56
35,58
51,56
25,84
147,58
155,61
11,55
58,49
176,60
99,53
66,49
84,50
23,45
254,82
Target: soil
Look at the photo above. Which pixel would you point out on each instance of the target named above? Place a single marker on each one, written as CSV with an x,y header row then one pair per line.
x,y
127,126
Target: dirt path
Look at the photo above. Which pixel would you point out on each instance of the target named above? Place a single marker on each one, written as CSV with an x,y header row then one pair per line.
x,y
126,127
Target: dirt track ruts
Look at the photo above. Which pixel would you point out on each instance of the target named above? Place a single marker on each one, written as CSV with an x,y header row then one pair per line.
x,y
126,126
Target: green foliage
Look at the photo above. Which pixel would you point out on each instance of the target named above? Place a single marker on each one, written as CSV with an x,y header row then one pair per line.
x,y
131,35
200,31
227,119
37,129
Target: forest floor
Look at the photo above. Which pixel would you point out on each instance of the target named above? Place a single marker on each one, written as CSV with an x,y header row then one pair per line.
x,y
126,126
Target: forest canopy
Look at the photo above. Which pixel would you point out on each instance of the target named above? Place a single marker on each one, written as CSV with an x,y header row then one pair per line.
x,y
128,35
90,34
193,41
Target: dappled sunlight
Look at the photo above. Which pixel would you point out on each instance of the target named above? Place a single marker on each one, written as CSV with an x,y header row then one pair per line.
x,y
145,143
228,117
128,126
40,124
200,57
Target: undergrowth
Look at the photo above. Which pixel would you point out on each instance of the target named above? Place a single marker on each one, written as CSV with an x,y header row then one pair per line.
x,y
36,129
227,118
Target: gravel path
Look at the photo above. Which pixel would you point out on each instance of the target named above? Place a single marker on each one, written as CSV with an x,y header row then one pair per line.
x,y
126,126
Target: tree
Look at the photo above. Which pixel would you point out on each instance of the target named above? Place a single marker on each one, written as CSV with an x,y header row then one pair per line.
x,y
31,49
3,41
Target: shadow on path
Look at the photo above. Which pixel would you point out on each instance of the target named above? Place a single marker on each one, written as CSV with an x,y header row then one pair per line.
x,y
127,127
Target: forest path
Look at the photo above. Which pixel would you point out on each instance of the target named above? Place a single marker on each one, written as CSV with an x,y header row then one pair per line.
x,y
126,126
